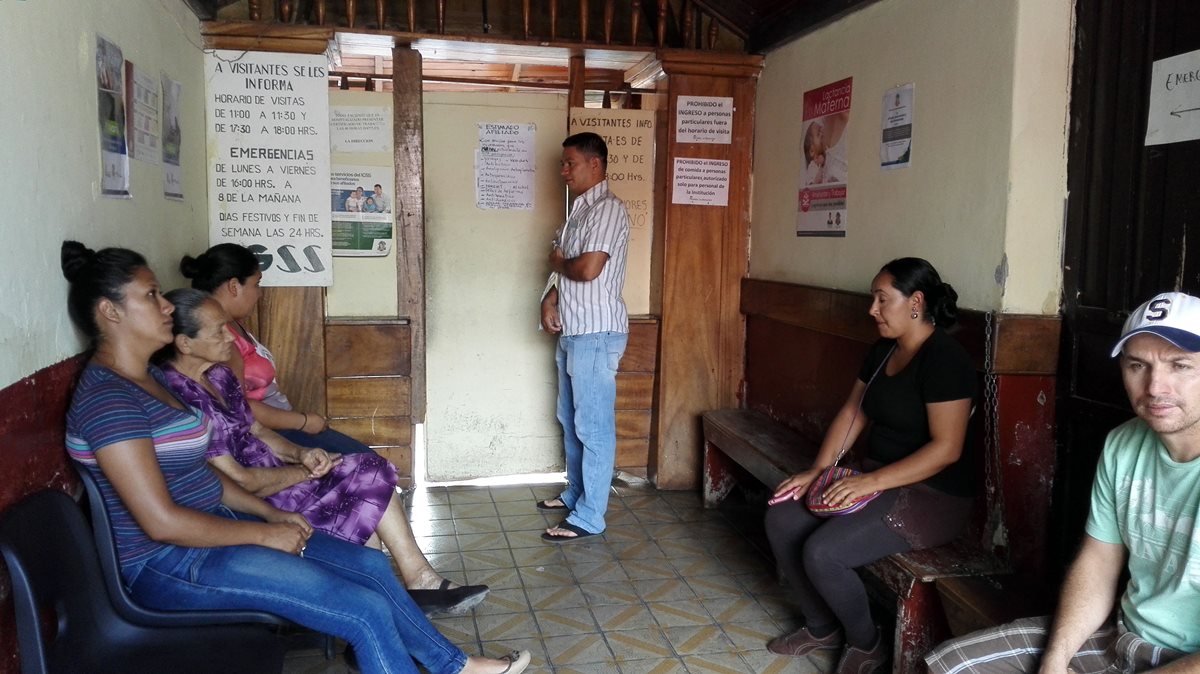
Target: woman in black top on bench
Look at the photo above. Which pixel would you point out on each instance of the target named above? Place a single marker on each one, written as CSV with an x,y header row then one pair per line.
x,y
922,385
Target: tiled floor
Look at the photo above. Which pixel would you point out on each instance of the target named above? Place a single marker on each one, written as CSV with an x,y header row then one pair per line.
x,y
670,587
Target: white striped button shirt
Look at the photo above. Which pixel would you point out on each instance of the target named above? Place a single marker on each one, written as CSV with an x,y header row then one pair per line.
x,y
598,222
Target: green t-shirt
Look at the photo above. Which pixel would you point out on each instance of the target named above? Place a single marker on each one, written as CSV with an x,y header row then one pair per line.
x,y
1144,500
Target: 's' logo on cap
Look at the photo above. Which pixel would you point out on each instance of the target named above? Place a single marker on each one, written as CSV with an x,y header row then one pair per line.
x,y
1158,309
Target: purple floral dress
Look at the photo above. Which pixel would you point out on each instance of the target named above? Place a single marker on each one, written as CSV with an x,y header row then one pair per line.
x,y
346,502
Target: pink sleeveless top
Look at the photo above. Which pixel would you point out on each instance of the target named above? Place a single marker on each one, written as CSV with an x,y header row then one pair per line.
x,y
259,370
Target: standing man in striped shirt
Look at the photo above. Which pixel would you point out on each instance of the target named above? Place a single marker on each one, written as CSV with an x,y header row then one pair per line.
x,y
582,304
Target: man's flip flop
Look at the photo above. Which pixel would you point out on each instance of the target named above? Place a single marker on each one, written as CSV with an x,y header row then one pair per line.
x,y
545,505
580,534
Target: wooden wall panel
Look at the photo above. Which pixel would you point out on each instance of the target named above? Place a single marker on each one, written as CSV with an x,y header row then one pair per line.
x,y
369,397
633,423
376,431
632,454
705,257
354,349
635,390
291,324
641,354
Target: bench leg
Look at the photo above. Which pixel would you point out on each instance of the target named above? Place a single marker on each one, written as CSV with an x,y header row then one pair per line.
x,y
719,478
920,626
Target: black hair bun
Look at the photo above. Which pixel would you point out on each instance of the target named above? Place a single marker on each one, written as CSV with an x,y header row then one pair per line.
x,y
75,258
189,267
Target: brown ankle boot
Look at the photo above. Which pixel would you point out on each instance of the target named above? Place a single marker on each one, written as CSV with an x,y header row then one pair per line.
x,y
857,661
801,642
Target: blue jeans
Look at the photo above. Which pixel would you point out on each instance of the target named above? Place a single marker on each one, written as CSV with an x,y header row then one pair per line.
x,y
337,588
587,397
328,440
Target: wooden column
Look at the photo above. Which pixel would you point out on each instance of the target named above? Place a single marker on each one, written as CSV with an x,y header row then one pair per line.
x,y
575,81
410,210
705,252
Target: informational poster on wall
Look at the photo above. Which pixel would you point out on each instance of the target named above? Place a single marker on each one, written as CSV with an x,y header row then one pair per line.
x,y
141,124
700,182
361,210
704,119
895,148
824,180
1174,114
172,137
504,166
360,129
268,161
114,152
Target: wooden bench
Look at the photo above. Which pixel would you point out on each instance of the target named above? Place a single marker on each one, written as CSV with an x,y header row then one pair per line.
x,y
741,441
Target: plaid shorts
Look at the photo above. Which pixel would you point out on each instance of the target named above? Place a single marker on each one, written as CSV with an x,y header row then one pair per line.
x,y
1017,647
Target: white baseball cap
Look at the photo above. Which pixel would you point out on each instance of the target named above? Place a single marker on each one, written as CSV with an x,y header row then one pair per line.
x,y
1173,316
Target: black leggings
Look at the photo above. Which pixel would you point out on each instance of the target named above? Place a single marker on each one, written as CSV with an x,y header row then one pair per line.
x,y
818,556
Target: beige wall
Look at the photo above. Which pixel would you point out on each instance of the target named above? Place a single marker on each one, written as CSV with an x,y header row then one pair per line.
x,y
983,200
491,376
50,166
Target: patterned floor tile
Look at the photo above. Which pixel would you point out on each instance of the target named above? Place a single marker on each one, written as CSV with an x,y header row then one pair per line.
x,y
717,663
633,550
607,594
619,517
645,502
540,662
542,555
517,493
504,601
628,533
432,527
766,662
699,639
458,629
696,565
628,616
506,508
665,532
498,579
429,497
581,553
446,562
543,576
735,610
466,495
663,589
502,626
656,516
423,513
566,621
473,560
753,636
554,597
486,509
598,572
525,539
523,522
763,583
591,668
579,649
777,607
658,666
649,569
679,613
488,541
712,587
638,644
477,525
436,544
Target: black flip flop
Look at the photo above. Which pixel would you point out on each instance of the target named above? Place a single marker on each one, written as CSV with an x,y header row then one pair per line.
x,y
580,534
545,505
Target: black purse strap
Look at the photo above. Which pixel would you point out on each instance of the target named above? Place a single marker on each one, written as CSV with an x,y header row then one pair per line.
x,y
858,408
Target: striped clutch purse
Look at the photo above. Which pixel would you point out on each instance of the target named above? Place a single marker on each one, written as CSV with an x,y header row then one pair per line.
x,y
817,489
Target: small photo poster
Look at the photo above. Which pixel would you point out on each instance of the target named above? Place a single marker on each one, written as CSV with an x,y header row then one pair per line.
x,y
895,149
114,152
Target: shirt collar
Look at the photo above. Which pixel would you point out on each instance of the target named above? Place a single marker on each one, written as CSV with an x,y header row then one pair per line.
x,y
595,192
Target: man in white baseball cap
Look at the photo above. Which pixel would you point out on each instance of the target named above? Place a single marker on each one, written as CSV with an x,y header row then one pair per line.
x,y
1144,519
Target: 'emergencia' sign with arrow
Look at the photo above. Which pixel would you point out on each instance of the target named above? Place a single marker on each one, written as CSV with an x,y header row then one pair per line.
x,y
1174,100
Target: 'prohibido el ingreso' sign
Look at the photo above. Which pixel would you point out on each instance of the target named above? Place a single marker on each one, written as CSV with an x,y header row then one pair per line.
x,y
268,161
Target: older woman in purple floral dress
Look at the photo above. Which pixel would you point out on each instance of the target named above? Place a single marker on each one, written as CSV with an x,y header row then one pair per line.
x,y
350,497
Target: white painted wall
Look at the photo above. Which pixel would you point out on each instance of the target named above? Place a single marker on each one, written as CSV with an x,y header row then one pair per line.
x,y
50,166
984,196
491,376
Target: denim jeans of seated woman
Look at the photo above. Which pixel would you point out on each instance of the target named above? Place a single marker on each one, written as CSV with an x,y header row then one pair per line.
x,y
337,588
587,396
328,440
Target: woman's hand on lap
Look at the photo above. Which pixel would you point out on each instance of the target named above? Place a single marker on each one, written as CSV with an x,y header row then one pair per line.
x,y
797,484
285,536
318,461
849,488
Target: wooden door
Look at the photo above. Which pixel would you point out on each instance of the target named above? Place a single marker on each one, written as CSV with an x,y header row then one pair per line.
x,y
1131,213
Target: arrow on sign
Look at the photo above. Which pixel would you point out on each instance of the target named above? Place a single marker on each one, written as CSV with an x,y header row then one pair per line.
x,y
1179,113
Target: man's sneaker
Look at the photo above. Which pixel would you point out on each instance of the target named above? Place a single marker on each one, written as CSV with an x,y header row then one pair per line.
x,y
857,661
801,642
